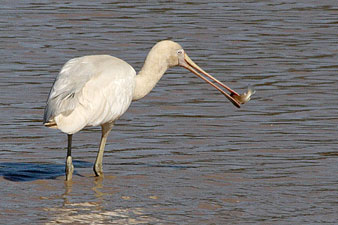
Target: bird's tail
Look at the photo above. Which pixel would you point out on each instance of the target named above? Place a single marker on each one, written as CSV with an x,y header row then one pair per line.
x,y
51,124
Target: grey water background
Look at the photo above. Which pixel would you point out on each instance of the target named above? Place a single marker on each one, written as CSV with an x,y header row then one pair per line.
x,y
183,154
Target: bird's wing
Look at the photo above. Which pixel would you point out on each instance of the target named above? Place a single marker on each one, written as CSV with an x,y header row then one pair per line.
x,y
67,86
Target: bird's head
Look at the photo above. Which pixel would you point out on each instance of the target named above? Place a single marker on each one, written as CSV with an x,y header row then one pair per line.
x,y
168,53
176,56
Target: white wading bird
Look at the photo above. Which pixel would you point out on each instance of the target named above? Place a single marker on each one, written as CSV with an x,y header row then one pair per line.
x,y
96,90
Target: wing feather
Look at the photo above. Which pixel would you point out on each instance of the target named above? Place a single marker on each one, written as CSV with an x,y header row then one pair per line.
x,y
64,93
90,90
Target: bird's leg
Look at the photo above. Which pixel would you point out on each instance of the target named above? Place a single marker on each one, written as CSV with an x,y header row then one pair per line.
x,y
69,162
106,128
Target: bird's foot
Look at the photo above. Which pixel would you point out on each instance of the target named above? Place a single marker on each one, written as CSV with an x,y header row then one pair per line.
x,y
98,170
69,168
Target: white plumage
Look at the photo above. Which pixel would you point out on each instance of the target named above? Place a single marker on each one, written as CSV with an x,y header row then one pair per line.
x,y
90,91
98,89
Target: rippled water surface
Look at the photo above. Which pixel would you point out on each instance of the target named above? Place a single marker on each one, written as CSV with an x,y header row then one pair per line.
x,y
183,154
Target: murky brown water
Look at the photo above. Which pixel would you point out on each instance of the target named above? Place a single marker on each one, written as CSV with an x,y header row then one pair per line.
x,y
183,154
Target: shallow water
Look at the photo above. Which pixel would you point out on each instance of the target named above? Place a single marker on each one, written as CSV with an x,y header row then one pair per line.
x,y
183,154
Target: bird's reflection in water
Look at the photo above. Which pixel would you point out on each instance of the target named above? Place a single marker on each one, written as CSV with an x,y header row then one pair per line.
x,y
97,187
73,211
68,190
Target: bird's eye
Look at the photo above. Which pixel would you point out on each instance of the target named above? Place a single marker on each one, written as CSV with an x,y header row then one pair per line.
x,y
180,51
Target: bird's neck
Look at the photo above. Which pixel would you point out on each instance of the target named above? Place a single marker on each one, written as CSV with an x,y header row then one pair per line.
x,y
153,69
